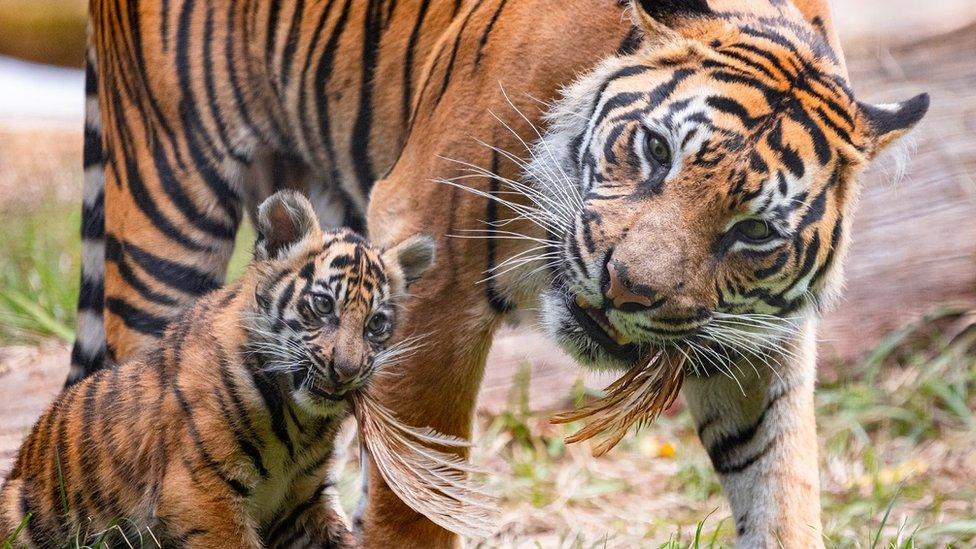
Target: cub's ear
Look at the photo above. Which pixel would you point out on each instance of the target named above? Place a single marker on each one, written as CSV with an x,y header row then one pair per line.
x,y
284,219
414,256
885,124
663,15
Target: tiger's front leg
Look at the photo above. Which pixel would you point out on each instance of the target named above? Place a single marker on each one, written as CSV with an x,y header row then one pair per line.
x,y
762,441
313,524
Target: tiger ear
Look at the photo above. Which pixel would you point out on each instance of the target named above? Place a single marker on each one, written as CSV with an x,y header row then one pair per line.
x,y
414,256
662,16
885,124
284,219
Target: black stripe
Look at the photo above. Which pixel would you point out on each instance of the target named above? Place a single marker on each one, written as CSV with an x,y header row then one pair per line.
x,y
721,451
487,33
274,404
180,277
211,87
137,319
323,75
498,303
147,205
89,452
286,524
271,32
407,96
288,57
242,439
91,295
631,43
93,218
446,80
360,140
202,452
93,147
230,40
114,253
164,23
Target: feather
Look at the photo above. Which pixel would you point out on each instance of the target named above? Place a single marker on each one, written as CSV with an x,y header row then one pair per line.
x,y
430,481
637,397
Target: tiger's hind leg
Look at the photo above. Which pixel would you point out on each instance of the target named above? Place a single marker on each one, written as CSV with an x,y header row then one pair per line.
x,y
162,199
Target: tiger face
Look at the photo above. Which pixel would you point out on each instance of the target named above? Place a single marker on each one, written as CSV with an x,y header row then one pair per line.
x,y
701,189
325,304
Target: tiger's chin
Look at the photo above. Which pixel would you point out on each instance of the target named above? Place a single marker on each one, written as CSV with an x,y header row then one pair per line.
x,y
318,398
584,338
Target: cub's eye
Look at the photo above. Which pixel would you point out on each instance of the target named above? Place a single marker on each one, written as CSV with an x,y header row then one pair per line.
x,y
378,325
657,148
755,231
322,304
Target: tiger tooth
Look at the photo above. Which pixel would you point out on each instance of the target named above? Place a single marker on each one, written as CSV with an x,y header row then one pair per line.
x,y
582,302
621,339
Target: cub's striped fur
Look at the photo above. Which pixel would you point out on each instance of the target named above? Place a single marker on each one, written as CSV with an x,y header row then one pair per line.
x,y
222,436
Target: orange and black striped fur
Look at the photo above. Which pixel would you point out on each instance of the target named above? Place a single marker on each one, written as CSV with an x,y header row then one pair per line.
x,y
704,166
222,436
698,197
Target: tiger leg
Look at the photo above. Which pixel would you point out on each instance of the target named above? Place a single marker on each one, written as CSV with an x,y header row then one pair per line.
x,y
201,513
436,388
315,523
12,514
762,441
169,235
175,152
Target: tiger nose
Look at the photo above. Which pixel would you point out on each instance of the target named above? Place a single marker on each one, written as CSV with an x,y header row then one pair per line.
x,y
622,294
342,372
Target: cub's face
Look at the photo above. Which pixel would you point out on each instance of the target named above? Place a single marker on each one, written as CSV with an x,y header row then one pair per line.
x,y
705,187
325,303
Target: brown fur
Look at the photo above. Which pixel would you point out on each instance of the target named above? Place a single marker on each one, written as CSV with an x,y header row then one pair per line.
x,y
222,437
441,74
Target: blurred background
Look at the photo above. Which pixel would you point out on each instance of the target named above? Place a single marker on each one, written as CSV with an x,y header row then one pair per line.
x,y
898,375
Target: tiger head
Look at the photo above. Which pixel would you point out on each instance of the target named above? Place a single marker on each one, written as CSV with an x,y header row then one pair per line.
x,y
325,302
701,189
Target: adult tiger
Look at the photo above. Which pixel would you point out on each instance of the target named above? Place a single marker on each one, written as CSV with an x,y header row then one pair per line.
x,y
749,125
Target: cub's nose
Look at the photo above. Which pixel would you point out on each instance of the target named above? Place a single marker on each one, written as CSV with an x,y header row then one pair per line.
x,y
623,294
342,372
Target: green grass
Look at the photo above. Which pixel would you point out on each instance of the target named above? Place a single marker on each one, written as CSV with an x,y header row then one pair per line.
x,y
40,270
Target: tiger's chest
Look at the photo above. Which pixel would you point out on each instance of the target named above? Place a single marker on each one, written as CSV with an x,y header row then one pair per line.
x,y
295,468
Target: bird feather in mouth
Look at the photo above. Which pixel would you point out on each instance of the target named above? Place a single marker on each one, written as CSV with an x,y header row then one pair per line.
x,y
420,466
638,397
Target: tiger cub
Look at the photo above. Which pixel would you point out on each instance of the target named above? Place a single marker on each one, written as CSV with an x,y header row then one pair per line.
x,y
222,436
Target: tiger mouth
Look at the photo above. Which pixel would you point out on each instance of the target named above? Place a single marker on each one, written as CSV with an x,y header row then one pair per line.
x,y
595,325
318,389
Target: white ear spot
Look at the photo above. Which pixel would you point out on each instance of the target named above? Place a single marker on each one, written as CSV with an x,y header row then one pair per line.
x,y
888,122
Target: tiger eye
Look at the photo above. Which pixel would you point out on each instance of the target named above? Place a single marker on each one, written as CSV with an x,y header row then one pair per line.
x,y
377,325
322,304
658,149
755,230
